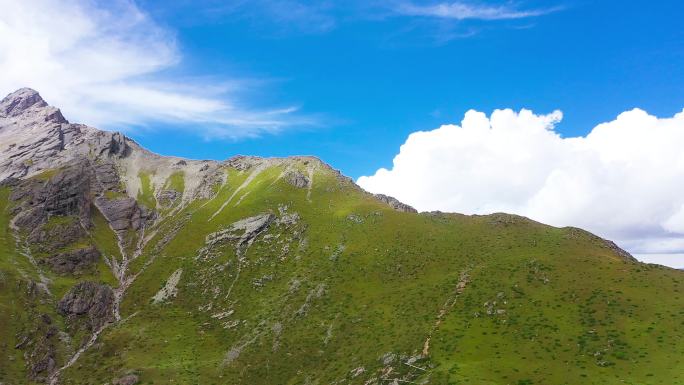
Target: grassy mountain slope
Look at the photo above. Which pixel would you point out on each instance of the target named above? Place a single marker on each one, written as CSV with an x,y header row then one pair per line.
x,y
118,266
348,290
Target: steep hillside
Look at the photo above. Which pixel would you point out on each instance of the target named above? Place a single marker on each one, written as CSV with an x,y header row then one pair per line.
x,y
120,266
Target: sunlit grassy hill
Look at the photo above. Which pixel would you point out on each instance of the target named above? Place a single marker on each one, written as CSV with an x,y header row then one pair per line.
x,y
125,267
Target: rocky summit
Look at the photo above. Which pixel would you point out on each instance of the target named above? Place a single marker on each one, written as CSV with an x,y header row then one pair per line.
x,y
120,266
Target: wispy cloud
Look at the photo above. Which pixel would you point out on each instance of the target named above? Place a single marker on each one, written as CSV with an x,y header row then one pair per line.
x,y
459,10
110,66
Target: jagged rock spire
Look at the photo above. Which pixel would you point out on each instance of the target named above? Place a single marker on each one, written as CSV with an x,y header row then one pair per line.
x,y
20,100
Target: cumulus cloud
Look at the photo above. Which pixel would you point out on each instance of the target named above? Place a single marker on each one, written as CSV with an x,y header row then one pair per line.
x,y
624,180
459,10
104,63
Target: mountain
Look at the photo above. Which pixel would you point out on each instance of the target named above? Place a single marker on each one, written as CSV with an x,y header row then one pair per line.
x,y
120,266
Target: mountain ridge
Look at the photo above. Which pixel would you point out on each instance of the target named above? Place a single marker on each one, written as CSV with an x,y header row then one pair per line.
x,y
118,265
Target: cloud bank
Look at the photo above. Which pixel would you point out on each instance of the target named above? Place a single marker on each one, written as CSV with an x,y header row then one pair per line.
x,y
623,181
107,64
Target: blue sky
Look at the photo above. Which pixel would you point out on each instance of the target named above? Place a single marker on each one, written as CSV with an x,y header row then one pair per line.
x,y
370,79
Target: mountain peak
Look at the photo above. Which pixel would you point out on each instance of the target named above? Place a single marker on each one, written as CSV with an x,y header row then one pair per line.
x,y
21,100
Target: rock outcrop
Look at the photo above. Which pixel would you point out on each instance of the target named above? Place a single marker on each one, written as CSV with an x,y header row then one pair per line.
x,y
297,179
63,192
35,137
244,231
74,261
87,304
168,197
395,203
122,213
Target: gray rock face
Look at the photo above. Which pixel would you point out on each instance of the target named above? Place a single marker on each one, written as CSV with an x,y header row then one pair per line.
x,y
20,101
35,137
47,238
107,177
297,179
395,204
121,213
73,262
212,177
64,194
89,304
243,231
241,162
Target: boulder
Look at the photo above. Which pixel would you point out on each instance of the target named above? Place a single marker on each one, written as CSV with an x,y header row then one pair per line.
x,y
89,304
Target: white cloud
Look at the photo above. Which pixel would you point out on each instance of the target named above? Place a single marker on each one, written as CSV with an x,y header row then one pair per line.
x,y
104,65
624,180
459,10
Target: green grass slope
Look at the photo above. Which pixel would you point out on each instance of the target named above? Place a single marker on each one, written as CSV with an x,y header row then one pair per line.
x,y
341,289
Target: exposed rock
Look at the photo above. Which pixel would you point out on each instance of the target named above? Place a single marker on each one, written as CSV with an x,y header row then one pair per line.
x,y
35,137
44,364
10,182
241,162
355,218
395,204
109,144
40,349
388,358
212,178
107,177
130,379
357,371
577,233
55,210
66,193
297,179
251,227
47,237
31,133
620,252
19,101
315,293
168,197
121,213
169,290
74,261
88,303
289,219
